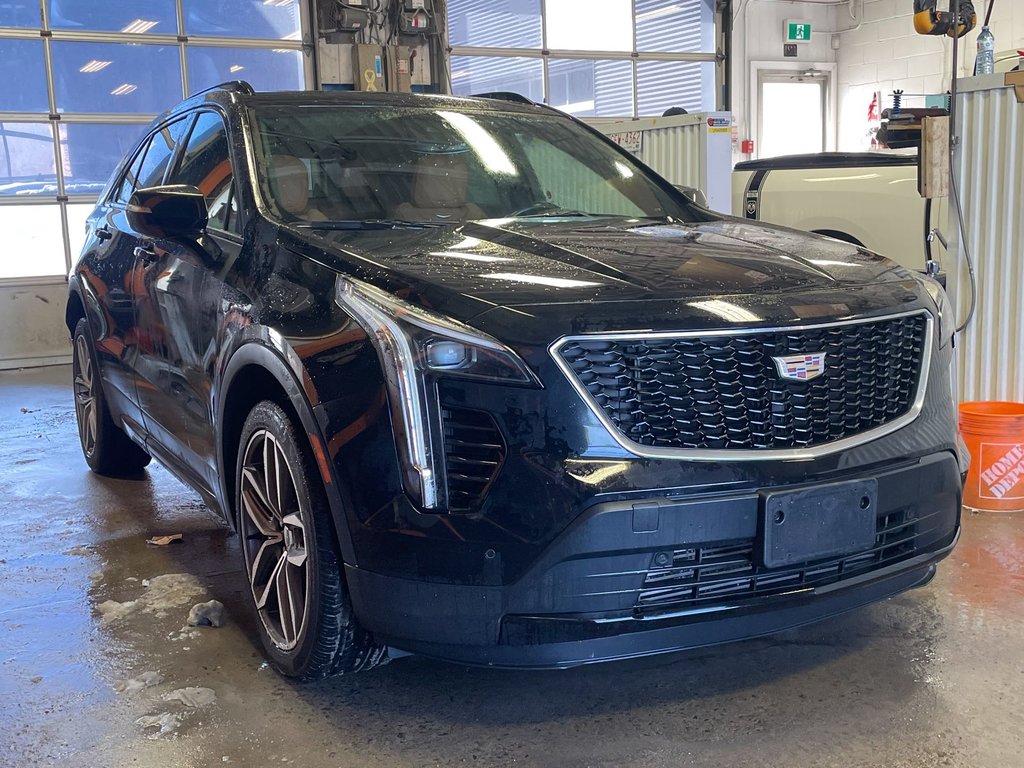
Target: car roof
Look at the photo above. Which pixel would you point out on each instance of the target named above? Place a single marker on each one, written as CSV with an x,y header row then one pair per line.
x,y
240,92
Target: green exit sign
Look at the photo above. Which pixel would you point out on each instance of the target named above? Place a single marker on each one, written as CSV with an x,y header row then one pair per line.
x,y
798,31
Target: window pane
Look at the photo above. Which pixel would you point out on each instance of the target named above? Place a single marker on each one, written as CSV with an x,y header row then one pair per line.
x,y
665,84
495,23
676,26
590,25
33,241
156,17
272,19
91,152
20,13
159,152
22,76
487,74
115,77
27,166
77,215
791,118
265,70
206,165
591,88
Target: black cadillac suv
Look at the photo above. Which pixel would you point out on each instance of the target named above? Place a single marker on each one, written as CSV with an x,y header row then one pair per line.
x,y
471,382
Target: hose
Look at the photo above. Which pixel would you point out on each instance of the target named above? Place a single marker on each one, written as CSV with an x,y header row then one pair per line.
x,y
956,193
927,231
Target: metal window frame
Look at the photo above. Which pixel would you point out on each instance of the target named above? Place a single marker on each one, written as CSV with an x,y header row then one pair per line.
x,y
751,454
546,54
181,41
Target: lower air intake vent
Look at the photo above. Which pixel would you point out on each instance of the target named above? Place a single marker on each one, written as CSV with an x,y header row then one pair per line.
x,y
474,452
708,575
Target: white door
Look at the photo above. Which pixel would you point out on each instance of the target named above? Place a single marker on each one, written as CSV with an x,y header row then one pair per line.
x,y
792,115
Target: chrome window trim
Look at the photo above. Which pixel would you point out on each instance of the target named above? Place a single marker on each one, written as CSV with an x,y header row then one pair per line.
x,y
748,454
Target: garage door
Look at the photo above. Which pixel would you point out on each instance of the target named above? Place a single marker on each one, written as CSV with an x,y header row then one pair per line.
x,y
79,81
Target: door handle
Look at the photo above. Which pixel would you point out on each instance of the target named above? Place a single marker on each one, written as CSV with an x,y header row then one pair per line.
x,y
145,252
102,233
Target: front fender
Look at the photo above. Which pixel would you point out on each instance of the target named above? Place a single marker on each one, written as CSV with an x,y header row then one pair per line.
x,y
268,350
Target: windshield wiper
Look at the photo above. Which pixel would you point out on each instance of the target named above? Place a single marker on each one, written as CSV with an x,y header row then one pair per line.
x,y
545,208
371,224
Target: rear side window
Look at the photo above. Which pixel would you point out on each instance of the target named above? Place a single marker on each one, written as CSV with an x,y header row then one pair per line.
x,y
206,164
147,170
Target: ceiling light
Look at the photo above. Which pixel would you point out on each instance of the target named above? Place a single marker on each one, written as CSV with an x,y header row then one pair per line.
x,y
139,26
277,3
124,89
726,310
554,282
235,68
281,50
484,145
468,242
95,65
623,170
468,256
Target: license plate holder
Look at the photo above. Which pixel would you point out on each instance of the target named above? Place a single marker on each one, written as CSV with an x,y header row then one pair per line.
x,y
818,522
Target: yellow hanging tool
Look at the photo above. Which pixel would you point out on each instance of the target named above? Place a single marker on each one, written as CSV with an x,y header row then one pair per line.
x,y
956,22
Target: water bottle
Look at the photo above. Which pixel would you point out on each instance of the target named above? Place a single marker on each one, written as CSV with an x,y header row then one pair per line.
x,y
986,61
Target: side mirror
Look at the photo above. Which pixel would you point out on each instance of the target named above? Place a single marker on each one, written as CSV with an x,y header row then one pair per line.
x,y
177,210
694,194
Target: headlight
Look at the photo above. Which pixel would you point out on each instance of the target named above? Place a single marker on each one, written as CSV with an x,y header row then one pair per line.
x,y
944,308
415,345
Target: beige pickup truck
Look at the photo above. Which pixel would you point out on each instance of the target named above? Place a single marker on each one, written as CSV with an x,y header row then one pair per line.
x,y
866,198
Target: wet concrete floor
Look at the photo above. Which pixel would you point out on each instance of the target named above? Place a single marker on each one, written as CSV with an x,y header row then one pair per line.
x,y
932,678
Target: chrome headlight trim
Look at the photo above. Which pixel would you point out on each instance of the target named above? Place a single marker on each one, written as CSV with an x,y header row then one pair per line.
x,y
401,333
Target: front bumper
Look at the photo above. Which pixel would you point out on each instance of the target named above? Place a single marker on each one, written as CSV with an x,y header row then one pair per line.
x,y
594,593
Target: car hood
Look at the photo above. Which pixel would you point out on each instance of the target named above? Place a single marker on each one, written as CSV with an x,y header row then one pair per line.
x,y
508,263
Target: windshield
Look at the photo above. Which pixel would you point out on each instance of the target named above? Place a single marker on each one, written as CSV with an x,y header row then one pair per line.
x,y
422,165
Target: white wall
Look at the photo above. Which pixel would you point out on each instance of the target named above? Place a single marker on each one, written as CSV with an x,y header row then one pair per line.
x,y
763,41
885,53
32,319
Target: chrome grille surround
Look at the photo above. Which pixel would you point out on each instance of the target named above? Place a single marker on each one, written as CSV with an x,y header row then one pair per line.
x,y
748,454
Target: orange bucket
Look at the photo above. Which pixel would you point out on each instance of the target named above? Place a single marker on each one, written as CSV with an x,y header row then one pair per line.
x,y
994,433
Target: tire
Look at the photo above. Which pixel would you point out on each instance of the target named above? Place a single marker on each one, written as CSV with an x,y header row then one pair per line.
x,y
289,550
106,447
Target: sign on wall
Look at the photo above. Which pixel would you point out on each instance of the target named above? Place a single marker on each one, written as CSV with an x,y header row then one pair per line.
x,y
797,31
631,141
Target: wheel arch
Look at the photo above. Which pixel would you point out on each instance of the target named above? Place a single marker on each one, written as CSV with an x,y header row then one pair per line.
x,y
75,309
257,371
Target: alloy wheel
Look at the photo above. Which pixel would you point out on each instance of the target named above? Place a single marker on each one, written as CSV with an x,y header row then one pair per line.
x,y
274,540
85,395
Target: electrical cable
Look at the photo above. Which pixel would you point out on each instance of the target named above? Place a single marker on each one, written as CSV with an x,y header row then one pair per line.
x,y
988,14
927,231
956,195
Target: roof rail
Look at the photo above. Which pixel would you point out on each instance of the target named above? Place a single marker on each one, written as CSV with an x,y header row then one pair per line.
x,y
516,98
232,86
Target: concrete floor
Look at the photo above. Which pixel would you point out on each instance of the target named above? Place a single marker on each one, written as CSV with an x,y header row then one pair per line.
x,y
932,678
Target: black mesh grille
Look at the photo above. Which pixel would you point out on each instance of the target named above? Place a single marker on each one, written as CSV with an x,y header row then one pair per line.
x,y
474,452
724,392
708,574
